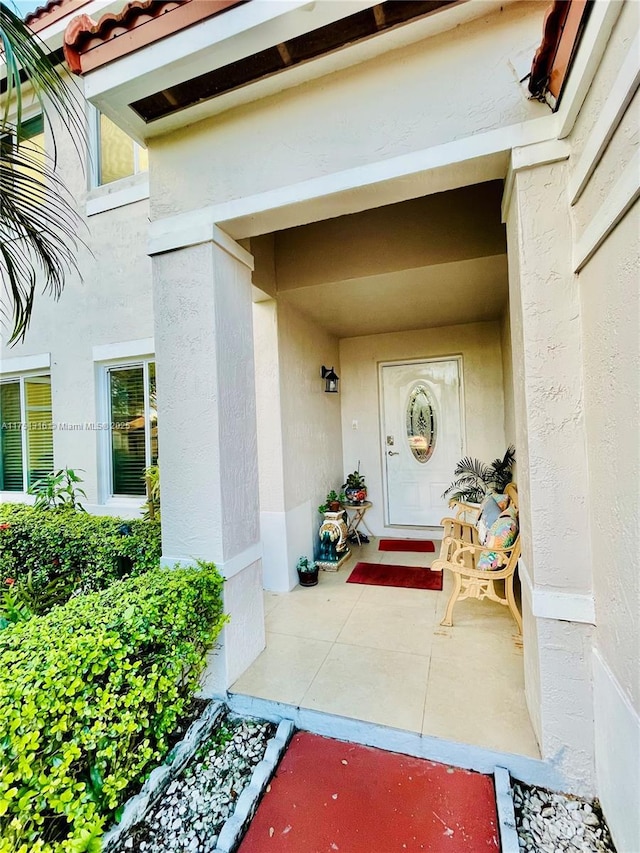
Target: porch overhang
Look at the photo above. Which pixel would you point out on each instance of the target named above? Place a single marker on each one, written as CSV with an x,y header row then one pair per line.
x,y
135,89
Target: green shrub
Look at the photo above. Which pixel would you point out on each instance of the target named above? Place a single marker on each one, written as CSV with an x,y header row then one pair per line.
x,y
53,553
88,696
12,607
59,490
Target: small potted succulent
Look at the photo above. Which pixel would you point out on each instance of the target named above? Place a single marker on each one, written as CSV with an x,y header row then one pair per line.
x,y
355,488
307,572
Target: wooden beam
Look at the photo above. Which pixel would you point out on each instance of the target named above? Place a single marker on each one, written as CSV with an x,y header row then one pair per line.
x,y
170,98
285,56
378,14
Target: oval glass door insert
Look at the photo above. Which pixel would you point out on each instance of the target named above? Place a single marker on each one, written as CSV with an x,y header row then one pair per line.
x,y
421,423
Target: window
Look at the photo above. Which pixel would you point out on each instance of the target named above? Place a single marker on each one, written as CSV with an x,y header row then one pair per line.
x,y
26,432
31,132
421,423
31,140
32,135
133,426
118,156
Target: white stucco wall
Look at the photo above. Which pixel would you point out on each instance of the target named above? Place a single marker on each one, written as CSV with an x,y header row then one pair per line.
x,y
111,304
310,417
551,410
555,567
507,377
529,622
610,307
206,404
299,435
600,91
479,345
388,106
268,406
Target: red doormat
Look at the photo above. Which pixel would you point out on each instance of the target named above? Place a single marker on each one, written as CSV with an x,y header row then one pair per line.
x,y
408,577
420,545
331,796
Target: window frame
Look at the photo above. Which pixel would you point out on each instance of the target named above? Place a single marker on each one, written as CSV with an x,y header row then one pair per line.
x,y
21,379
9,137
105,466
95,158
11,140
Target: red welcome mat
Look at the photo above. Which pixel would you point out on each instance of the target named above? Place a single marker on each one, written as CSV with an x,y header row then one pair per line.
x,y
408,577
420,545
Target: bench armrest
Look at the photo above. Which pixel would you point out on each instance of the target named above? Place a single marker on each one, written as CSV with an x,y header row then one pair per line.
x,y
461,506
454,552
449,522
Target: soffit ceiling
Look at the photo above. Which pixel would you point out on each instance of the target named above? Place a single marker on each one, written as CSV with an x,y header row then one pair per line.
x,y
449,294
434,261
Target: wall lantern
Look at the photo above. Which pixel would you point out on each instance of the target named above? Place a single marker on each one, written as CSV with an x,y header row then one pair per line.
x,y
331,380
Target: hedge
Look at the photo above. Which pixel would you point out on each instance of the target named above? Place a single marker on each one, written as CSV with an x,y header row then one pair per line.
x,y
53,554
88,696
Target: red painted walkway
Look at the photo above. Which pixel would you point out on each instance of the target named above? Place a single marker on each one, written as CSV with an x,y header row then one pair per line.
x,y
333,797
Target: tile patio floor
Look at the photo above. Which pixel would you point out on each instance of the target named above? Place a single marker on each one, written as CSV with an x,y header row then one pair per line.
x,y
379,654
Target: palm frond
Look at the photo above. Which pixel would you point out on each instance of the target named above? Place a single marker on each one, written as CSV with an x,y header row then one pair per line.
x,y
501,470
474,479
27,59
473,468
38,222
38,233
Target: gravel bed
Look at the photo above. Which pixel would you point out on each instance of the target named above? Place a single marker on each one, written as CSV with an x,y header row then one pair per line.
x,y
557,823
191,812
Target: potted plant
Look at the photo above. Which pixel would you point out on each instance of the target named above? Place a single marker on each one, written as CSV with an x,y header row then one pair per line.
x,y
307,572
475,479
334,501
331,503
355,488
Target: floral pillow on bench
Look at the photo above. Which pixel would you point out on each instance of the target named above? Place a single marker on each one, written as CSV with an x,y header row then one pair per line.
x,y
490,510
502,534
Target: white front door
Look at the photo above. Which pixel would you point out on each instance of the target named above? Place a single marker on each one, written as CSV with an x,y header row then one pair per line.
x,y
422,438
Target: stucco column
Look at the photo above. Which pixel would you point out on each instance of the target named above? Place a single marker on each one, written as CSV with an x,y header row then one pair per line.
x,y
555,568
207,428
280,537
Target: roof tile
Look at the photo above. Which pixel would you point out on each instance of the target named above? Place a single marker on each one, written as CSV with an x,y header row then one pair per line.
x,y
83,34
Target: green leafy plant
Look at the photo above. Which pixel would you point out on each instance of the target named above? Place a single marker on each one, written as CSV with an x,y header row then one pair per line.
x,y
304,565
59,490
55,555
355,488
152,482
475,479
332,497
355,480
12,608
89,697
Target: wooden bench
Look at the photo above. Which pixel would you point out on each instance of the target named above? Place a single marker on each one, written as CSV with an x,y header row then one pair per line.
x,y
459,554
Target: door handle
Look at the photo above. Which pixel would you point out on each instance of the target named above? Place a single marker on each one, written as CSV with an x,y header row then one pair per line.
x,y
393,452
